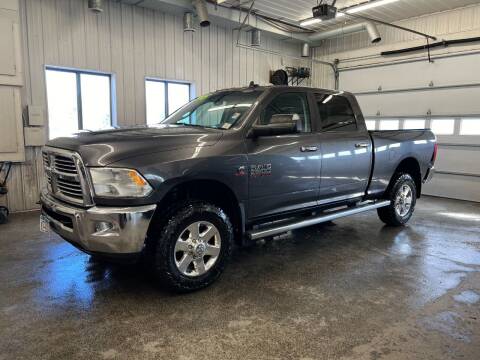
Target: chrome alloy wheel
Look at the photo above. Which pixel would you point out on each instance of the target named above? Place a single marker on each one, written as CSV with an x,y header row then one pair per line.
x,y
197,248
403,200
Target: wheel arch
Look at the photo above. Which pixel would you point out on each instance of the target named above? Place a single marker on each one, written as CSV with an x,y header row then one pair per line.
x,y
411,166
213,191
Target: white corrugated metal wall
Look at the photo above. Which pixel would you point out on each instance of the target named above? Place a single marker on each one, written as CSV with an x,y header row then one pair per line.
x,y
132,43
406,86
460,21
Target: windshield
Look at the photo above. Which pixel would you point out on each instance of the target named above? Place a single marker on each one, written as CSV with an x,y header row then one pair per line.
x,y
220,110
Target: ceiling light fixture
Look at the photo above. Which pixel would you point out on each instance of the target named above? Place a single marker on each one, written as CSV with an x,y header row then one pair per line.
x,y
369,5
365,6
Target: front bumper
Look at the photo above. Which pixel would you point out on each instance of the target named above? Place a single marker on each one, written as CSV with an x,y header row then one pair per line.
x,y
102,230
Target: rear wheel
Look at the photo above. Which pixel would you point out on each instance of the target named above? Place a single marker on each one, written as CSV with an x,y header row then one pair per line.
x,y
193,247
403,197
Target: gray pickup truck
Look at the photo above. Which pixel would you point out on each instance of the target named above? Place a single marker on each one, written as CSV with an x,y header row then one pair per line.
x,y
228,168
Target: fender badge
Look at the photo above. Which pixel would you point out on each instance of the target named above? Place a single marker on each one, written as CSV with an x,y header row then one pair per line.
x,y
260,170
240,171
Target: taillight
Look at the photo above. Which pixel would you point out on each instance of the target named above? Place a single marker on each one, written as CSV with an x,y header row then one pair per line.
x,y
435,150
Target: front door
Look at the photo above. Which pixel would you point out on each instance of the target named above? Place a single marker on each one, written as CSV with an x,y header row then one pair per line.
x,y
346,150
284,170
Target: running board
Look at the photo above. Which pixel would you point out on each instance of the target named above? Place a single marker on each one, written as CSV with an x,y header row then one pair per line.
x,y
275,230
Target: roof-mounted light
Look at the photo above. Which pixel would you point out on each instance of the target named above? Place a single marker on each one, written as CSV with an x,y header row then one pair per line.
x,y
369,5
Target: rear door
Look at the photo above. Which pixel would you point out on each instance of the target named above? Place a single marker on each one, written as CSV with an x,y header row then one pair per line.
x,y
284,170
346,148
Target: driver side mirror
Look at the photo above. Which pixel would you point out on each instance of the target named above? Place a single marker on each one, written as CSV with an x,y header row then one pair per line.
x,y
280,124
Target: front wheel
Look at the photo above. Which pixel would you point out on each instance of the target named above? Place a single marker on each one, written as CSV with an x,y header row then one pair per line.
x,y
193,246
403,197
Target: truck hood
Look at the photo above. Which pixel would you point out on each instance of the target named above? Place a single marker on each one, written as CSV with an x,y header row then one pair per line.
x,y
101,148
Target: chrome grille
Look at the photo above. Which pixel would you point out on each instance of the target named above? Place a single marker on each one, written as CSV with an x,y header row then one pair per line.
x,y
65,165
46,160
49,178
70,188
65,176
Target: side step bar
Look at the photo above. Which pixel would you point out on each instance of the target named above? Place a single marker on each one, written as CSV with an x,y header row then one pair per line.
x,y
271,231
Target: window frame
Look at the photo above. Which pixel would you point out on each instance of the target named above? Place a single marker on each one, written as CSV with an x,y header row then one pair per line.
x,y
375,122
191,92
403,123
78,73
386,120
462,119
455,127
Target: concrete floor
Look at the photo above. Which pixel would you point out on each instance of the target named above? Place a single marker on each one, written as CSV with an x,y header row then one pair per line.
x,y
354,290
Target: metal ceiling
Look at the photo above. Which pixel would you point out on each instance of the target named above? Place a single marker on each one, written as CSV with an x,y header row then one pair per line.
x,y
296,10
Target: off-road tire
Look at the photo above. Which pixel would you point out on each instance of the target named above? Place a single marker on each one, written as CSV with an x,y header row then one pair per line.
x,y
161,244
388,214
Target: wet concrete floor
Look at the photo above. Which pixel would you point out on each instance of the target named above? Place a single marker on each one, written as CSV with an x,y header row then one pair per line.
x,y
351,290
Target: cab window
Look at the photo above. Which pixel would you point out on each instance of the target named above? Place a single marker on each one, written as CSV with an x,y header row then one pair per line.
x,y
291,106
336,113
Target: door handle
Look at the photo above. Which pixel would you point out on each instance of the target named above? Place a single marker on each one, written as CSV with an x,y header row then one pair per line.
x,y
308,148
362,145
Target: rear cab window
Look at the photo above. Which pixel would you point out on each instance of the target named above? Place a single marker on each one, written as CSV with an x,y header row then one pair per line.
x,y
336,113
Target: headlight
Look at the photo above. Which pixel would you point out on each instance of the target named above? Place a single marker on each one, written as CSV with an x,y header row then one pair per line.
x,y
112,182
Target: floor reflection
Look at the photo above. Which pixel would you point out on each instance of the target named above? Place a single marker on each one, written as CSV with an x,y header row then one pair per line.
x,y
343,282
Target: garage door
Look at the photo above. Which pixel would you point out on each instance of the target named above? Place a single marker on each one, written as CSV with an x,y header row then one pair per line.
x,y
444,96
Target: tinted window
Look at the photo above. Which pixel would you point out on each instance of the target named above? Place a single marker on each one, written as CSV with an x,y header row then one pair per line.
x,y
293,105
336,113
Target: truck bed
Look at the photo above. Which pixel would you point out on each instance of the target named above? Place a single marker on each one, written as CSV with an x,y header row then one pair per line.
x,y
394,147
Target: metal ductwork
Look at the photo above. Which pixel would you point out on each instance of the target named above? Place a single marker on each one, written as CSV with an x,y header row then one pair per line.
x,y
202,12
188,24
369,26
95,5
206,11
373,33
256,38
306,50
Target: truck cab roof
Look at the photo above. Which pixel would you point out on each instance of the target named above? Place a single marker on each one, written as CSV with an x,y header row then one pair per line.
x,y
285,88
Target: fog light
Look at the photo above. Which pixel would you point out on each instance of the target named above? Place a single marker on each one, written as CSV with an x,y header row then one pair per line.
x,y
103,226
